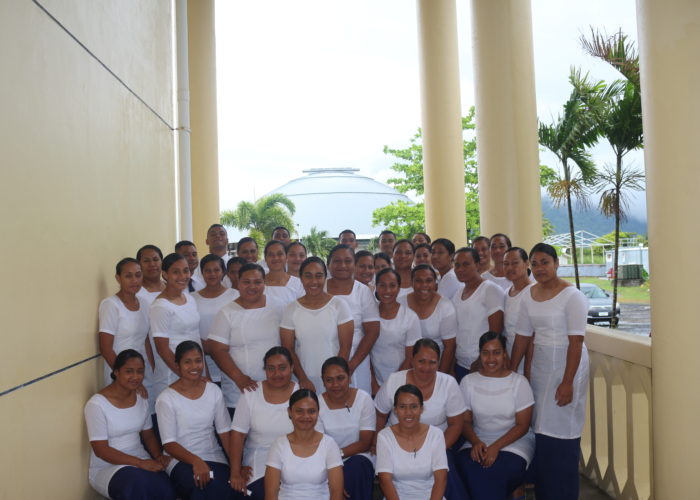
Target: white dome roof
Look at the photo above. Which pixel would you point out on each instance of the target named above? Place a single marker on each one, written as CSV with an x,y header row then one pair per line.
x,y
334,199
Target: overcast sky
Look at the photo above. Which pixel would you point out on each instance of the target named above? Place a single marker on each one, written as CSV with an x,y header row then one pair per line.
x,y
327,83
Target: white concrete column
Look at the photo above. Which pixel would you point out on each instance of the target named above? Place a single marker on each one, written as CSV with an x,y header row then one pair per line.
x,y
204,138
506,120
669,42
443,155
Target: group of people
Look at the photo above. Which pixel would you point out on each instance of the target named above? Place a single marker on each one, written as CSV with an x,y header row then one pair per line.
x,y
442,372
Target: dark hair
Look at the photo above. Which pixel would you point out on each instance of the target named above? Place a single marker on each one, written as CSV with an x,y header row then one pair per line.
x,y
422,245
347,231
522,253
170,259
449,246
251,266
423,267
501,235
425,235
184,243
295,243
215,225
387,270
244,240
122,358
404,240
481,238
471,251
278,228
382,255
212,258
278,350
387,231
545,248
235,260
274,242
185,347
335,361
300,394
408,389
338,248
311,260
149,247
489,336
363,253
125,261
428,344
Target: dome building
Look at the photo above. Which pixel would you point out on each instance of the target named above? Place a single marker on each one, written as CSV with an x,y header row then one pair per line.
x,y
333,199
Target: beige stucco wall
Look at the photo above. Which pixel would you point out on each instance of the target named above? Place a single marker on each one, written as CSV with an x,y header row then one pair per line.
x,y
87,177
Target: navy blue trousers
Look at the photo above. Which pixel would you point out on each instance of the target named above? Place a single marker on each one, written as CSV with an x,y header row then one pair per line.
x,y
492,483
358,477
460,372
132,483
556,468
217,488
455,490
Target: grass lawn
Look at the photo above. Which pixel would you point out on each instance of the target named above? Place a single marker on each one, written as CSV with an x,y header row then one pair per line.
x,y
627,294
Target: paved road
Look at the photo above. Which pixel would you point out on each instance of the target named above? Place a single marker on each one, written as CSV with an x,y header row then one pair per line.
x,y
635,318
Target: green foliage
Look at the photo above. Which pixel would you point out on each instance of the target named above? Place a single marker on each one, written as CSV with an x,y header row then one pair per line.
x,y
318,243
404,218
261,217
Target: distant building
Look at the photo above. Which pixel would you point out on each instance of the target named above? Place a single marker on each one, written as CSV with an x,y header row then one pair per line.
x,y
334,199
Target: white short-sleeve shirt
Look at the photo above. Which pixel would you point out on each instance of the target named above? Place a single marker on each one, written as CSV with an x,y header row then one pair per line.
x,y
449,285
305,477
511,311
207,309
395,335
121,428
316,332
412,472
262,422
176,323
441,325
501,281
191,422
473,319
446,400
494,401
344,424
249,333
288,293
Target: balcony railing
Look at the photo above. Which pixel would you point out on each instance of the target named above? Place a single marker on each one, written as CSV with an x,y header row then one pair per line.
x,y
616,442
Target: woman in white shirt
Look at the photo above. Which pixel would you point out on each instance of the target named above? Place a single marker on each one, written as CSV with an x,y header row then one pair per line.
x,y
365,315
124,321
316,326
174,319
421,254
190,411
399,329
411,459
278,283
479,308
556,311
364,268
444,405
260,418
403,262
496,424
347,415
442,252
242,332
304,464
117,418
500,243
210,300
483,245
150,259
516,266
296,254
438,320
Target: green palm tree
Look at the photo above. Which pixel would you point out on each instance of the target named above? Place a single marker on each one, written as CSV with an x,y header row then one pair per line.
x,y
318,243
621,124
261,216
568,137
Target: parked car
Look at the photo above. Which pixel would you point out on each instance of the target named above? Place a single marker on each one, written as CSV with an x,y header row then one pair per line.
x,y
599,304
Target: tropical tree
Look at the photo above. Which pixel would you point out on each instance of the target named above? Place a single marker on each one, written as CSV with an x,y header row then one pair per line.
x,y
568,137
318,243
261,216
620,123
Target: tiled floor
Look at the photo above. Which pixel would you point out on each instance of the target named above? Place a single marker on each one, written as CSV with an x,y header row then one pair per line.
x,y
588,491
